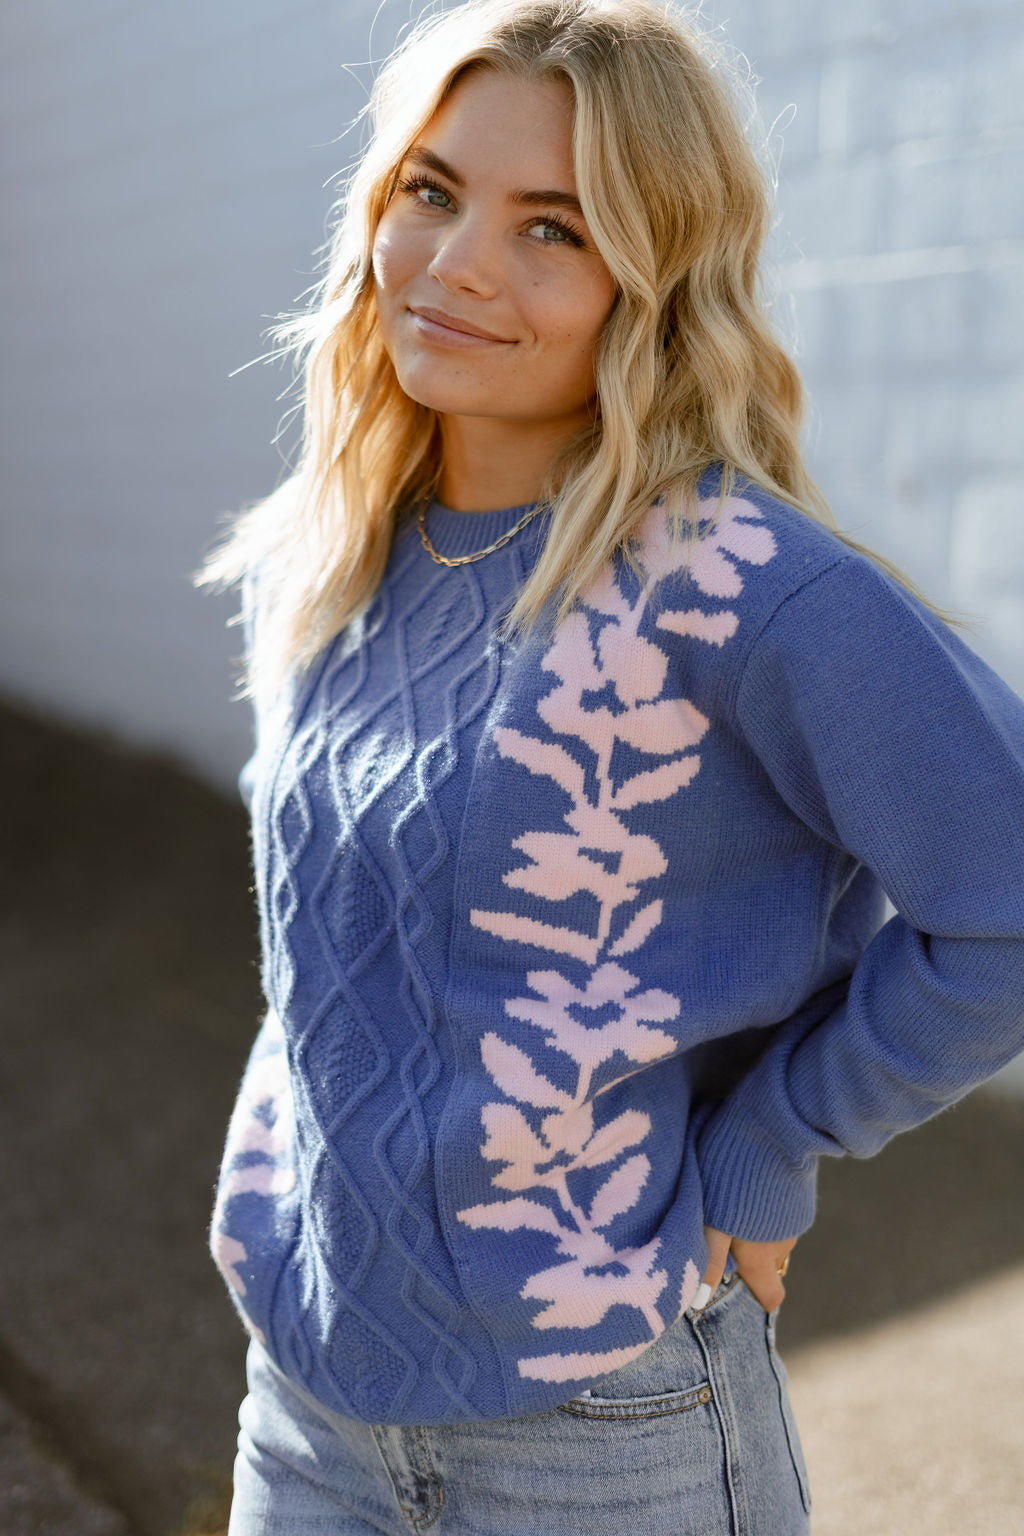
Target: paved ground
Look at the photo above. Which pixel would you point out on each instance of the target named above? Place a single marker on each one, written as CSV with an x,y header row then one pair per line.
x,y
129,995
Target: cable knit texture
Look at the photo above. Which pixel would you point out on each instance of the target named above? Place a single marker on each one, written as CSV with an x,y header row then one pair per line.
x,y
574,944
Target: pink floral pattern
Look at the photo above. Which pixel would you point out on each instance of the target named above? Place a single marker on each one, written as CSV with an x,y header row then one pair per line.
x,y
260,1132
599,854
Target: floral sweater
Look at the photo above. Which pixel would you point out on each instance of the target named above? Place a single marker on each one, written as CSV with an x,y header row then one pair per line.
x,y
574,944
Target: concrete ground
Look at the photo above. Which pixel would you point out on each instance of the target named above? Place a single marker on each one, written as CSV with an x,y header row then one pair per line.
x,y
129,995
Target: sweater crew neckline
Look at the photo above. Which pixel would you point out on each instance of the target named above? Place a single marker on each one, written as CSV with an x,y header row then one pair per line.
x,y
461,533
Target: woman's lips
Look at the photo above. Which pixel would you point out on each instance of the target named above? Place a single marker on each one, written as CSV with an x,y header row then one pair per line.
x,y
434,325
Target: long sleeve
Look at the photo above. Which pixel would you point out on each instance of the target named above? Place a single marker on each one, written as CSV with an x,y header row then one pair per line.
x,y
887,736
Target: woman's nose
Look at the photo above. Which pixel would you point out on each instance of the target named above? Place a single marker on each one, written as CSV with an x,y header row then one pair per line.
x,y
467,258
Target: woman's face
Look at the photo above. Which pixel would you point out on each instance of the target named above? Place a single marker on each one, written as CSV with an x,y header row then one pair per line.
x,y
485,234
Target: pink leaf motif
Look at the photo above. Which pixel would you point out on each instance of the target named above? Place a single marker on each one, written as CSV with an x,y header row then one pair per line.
x,y
529,930
641,856
258,1136
541,757
671,725
730,530
562,711
592,1044
580,1298
262,1122
610,983
605,595
655,783
626,1130
517,1077
575,1299
661,553
510,1138
620,1191
510,1215
582,1364
653,1004
633,1040
714,628
559,869
570,655
635,666
733,534
643,923
741,535
228,1253
571,658
519,1176
259,1179
569,1132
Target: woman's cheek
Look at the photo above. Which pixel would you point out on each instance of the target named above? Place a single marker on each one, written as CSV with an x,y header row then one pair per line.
x,y
380,258
394,257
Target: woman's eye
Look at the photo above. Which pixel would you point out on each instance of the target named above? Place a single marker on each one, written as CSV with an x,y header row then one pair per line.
x,y
551,234
417,186
435,196
554,232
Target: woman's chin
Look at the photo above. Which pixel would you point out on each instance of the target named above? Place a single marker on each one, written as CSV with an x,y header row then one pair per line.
x,y
464,399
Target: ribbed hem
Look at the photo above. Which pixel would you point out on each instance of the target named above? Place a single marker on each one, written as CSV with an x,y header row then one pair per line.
x,y
462,533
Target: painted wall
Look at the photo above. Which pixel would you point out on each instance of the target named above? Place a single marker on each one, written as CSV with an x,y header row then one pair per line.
x,y
900,248
163,192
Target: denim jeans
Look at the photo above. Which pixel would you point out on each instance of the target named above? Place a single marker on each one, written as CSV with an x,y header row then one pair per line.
x,y
693,1438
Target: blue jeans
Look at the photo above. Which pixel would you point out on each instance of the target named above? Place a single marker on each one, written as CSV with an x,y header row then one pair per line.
x,y
693,1438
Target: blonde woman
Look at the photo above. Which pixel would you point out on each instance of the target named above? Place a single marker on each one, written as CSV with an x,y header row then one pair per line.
x,y
588,750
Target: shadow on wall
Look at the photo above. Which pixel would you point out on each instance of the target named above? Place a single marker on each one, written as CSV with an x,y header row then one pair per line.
x,y
131,997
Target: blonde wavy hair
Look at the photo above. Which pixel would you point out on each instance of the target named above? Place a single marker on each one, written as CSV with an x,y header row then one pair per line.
x,y
689,372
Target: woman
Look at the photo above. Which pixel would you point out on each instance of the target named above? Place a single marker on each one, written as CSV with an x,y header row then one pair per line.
x,y
587,752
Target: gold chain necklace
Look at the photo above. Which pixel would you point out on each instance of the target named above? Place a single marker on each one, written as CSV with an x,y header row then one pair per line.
x,y
478,554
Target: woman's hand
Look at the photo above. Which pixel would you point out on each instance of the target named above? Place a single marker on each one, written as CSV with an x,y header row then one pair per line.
x,y
760,1266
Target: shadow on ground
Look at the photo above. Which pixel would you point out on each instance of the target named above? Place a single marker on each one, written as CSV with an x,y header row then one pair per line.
x,y
129,993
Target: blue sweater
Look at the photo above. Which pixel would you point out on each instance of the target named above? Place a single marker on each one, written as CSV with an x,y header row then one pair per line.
x,y
575,944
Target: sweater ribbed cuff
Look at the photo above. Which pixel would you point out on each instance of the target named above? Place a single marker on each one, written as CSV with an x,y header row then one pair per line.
x,y
751,1190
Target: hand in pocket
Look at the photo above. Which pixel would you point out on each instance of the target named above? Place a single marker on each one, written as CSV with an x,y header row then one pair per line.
x,y
761,1267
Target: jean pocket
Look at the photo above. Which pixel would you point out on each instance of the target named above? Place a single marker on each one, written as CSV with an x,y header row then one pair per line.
x,y
668,1378
588,1405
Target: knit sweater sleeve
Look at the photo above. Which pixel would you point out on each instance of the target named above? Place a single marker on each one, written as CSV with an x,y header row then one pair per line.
x,y
887,736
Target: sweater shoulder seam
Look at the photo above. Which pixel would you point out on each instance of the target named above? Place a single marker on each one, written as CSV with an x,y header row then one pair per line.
x,y
772,615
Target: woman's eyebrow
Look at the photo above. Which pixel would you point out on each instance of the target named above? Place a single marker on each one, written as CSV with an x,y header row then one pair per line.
x,y
551,197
